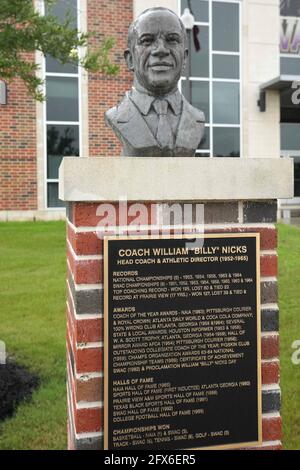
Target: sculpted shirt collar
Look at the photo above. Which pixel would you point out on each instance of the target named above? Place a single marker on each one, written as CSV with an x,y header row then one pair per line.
x,y
144,101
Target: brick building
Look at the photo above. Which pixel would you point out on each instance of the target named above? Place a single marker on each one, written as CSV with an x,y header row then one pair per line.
x,y
239,63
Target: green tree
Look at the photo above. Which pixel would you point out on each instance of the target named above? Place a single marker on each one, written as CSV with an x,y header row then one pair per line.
x,y
24,30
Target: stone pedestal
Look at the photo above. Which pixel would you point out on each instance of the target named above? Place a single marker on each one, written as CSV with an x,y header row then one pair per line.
x,y
133,196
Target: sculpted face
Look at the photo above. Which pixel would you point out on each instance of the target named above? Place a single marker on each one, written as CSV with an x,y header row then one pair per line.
x,y
158,52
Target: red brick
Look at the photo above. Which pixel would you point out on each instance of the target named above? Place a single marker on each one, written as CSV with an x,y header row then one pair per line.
x,y
89,360
95,214
89,331
88,272
270,346
268,265
270,372
84,330
85,359
88,420
85,271
85,390
89,390
85,243
85,419
268,238
271,429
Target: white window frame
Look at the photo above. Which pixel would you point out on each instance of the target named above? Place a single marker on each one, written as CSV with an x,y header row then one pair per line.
x,y
210,80
77,75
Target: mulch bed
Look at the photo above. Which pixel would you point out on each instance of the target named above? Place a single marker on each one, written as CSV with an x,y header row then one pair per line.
x,y
16,385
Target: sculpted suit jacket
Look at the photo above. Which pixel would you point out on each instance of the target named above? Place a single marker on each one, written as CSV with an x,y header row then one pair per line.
x,y
138,141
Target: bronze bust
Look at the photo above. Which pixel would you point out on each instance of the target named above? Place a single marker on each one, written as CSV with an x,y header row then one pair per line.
x,y
154,119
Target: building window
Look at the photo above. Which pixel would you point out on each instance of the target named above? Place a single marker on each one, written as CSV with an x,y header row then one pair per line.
x,y
290,65
62,124
215,75
290,122
289,7
290,37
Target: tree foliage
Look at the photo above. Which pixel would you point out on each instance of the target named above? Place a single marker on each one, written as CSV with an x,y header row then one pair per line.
x,y
24,30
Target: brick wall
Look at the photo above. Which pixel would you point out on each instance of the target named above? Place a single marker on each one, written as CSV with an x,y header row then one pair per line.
x,y
18,177
110,19
85,314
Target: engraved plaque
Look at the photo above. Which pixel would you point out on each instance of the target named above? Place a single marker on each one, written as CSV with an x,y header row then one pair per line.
x,y
182,342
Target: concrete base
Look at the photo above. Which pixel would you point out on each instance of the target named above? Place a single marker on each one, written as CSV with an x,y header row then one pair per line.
x,y
167,179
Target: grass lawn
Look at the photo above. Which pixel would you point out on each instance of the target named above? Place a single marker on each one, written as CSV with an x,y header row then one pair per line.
x,y
32,324
289,304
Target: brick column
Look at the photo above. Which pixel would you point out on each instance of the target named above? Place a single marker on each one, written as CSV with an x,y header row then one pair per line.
x,y
234,200
85,309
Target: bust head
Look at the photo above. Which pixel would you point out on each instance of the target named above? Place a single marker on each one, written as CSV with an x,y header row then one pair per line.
x,y
156,125
157,50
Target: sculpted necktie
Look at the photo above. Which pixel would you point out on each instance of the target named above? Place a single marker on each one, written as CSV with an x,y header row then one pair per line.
x,y
164,134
